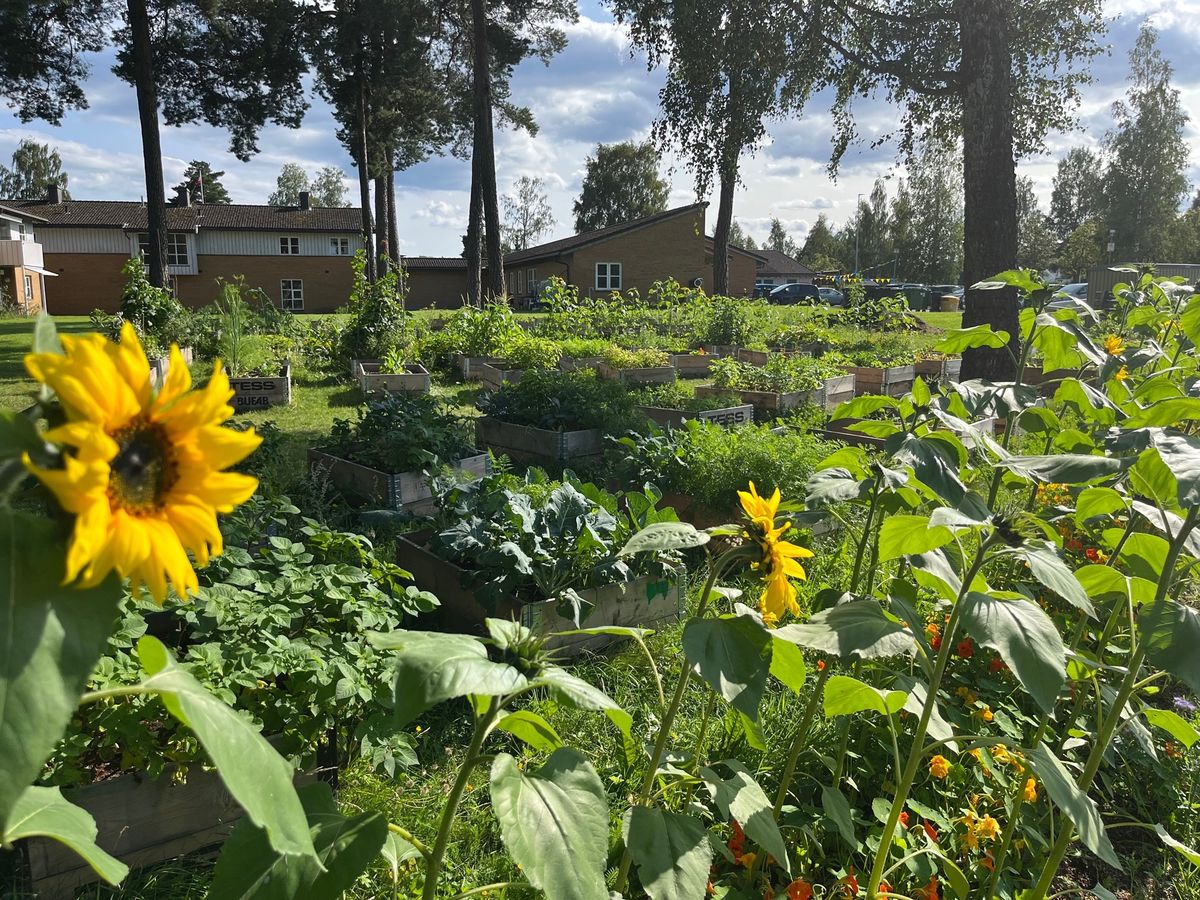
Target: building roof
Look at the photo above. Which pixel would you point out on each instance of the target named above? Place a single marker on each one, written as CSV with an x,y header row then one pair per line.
x,y
756,255
781,264
434,262
131,216
575,242
19,214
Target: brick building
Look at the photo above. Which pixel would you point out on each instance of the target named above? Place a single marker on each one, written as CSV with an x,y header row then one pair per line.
x,y
632,255
22,266
298,255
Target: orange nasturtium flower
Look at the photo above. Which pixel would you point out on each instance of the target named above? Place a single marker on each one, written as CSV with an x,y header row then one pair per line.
x,y
141,469
779,557
939,766
799,890
1030,791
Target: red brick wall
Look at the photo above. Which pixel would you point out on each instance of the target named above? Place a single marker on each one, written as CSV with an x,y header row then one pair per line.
x,y
443,288
85,281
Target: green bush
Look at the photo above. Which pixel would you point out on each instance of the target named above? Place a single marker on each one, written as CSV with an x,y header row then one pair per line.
x,y
620,358
158,317
533,353
401,433
678,395
781,374
378,324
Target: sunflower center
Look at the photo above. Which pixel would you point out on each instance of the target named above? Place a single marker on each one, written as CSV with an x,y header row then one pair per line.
x,y
143,470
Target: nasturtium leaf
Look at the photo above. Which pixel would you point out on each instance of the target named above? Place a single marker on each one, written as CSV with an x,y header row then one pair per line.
x,y
661,537
554,822
1097,501
732,654
259,779
837,808
528,726
671,852
859,629
1026,639
960,339
740,797
50,641
1078,806
1049,569
1174,724
845,696
248,869
1172,633
787,664
1179,847
432,668
907,535
42,812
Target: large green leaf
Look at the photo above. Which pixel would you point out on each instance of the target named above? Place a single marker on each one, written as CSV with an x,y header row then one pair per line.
x,y
253,771
908,535
1172,634
1173,724
1065,468
1166,412
671,852
834,485
1181,454
939,729
528,726
739,797
845,696
576,692
1025,638
345,847
42,812
732,654
1049,569
1097,501
50,641
837,808
860,629
1178,846
1106,582
787,664
1079,807
432,668
661,537
554,823
959,339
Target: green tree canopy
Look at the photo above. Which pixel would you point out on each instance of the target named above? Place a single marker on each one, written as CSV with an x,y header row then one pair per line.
x,y
738,237
527,214
203,183
621,182
1078,194
35,167
1036,242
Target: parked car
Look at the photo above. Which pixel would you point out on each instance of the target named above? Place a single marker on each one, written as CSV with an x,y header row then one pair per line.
x,y
1078,290
832,296
795,293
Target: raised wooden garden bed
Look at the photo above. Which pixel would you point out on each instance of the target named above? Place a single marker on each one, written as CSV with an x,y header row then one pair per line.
x,y
938,369
893,381
415,379
640,602
469,365
693,365
639,376
729,416
574,363
262,393
495,373
839,430
834,391
760,357
140,821
161,365
385,490
525,443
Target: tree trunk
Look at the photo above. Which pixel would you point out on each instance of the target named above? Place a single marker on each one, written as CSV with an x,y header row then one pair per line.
x,y
393,230
364,176
989,180
720,285
383,249
147,99
474,240
483,150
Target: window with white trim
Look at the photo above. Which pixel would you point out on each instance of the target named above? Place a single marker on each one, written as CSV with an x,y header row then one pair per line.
x,y
289,246
177,249
338,246
28,290
531,279
608,276
291,294
764,282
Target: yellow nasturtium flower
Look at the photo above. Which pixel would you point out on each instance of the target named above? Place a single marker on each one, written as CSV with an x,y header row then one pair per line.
x,y
141,469
939,766
1030,791
778,563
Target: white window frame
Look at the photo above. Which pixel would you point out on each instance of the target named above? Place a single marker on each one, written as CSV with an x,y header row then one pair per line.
x,y
611,280
174,239
339,246
531,280
28,286
291,291
289,246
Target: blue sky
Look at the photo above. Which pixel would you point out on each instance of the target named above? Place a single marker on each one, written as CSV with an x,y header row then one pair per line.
x,y
594,91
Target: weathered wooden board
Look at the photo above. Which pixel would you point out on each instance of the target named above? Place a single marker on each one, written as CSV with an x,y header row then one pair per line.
x,y
894,381
493,374
415,379
639,376
523,442
386,490
262,393
161,365
729,416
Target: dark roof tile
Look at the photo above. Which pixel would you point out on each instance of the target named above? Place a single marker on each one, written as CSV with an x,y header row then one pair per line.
x,y
131,215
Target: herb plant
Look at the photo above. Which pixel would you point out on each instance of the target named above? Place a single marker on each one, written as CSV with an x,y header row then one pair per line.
x,y
781,374
678,395
620,358
561,401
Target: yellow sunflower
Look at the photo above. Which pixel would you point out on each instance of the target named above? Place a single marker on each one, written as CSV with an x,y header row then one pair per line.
x,y
142,470
759,510
1122,373
779,567
1114,345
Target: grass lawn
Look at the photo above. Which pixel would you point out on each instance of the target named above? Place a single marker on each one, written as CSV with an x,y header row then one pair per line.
x,y
16,339
944,320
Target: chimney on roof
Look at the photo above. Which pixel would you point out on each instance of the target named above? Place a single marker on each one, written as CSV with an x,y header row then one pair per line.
x,y
305,200
54,194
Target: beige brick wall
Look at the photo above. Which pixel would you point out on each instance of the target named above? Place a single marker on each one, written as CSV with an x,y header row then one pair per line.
x,y
670,249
